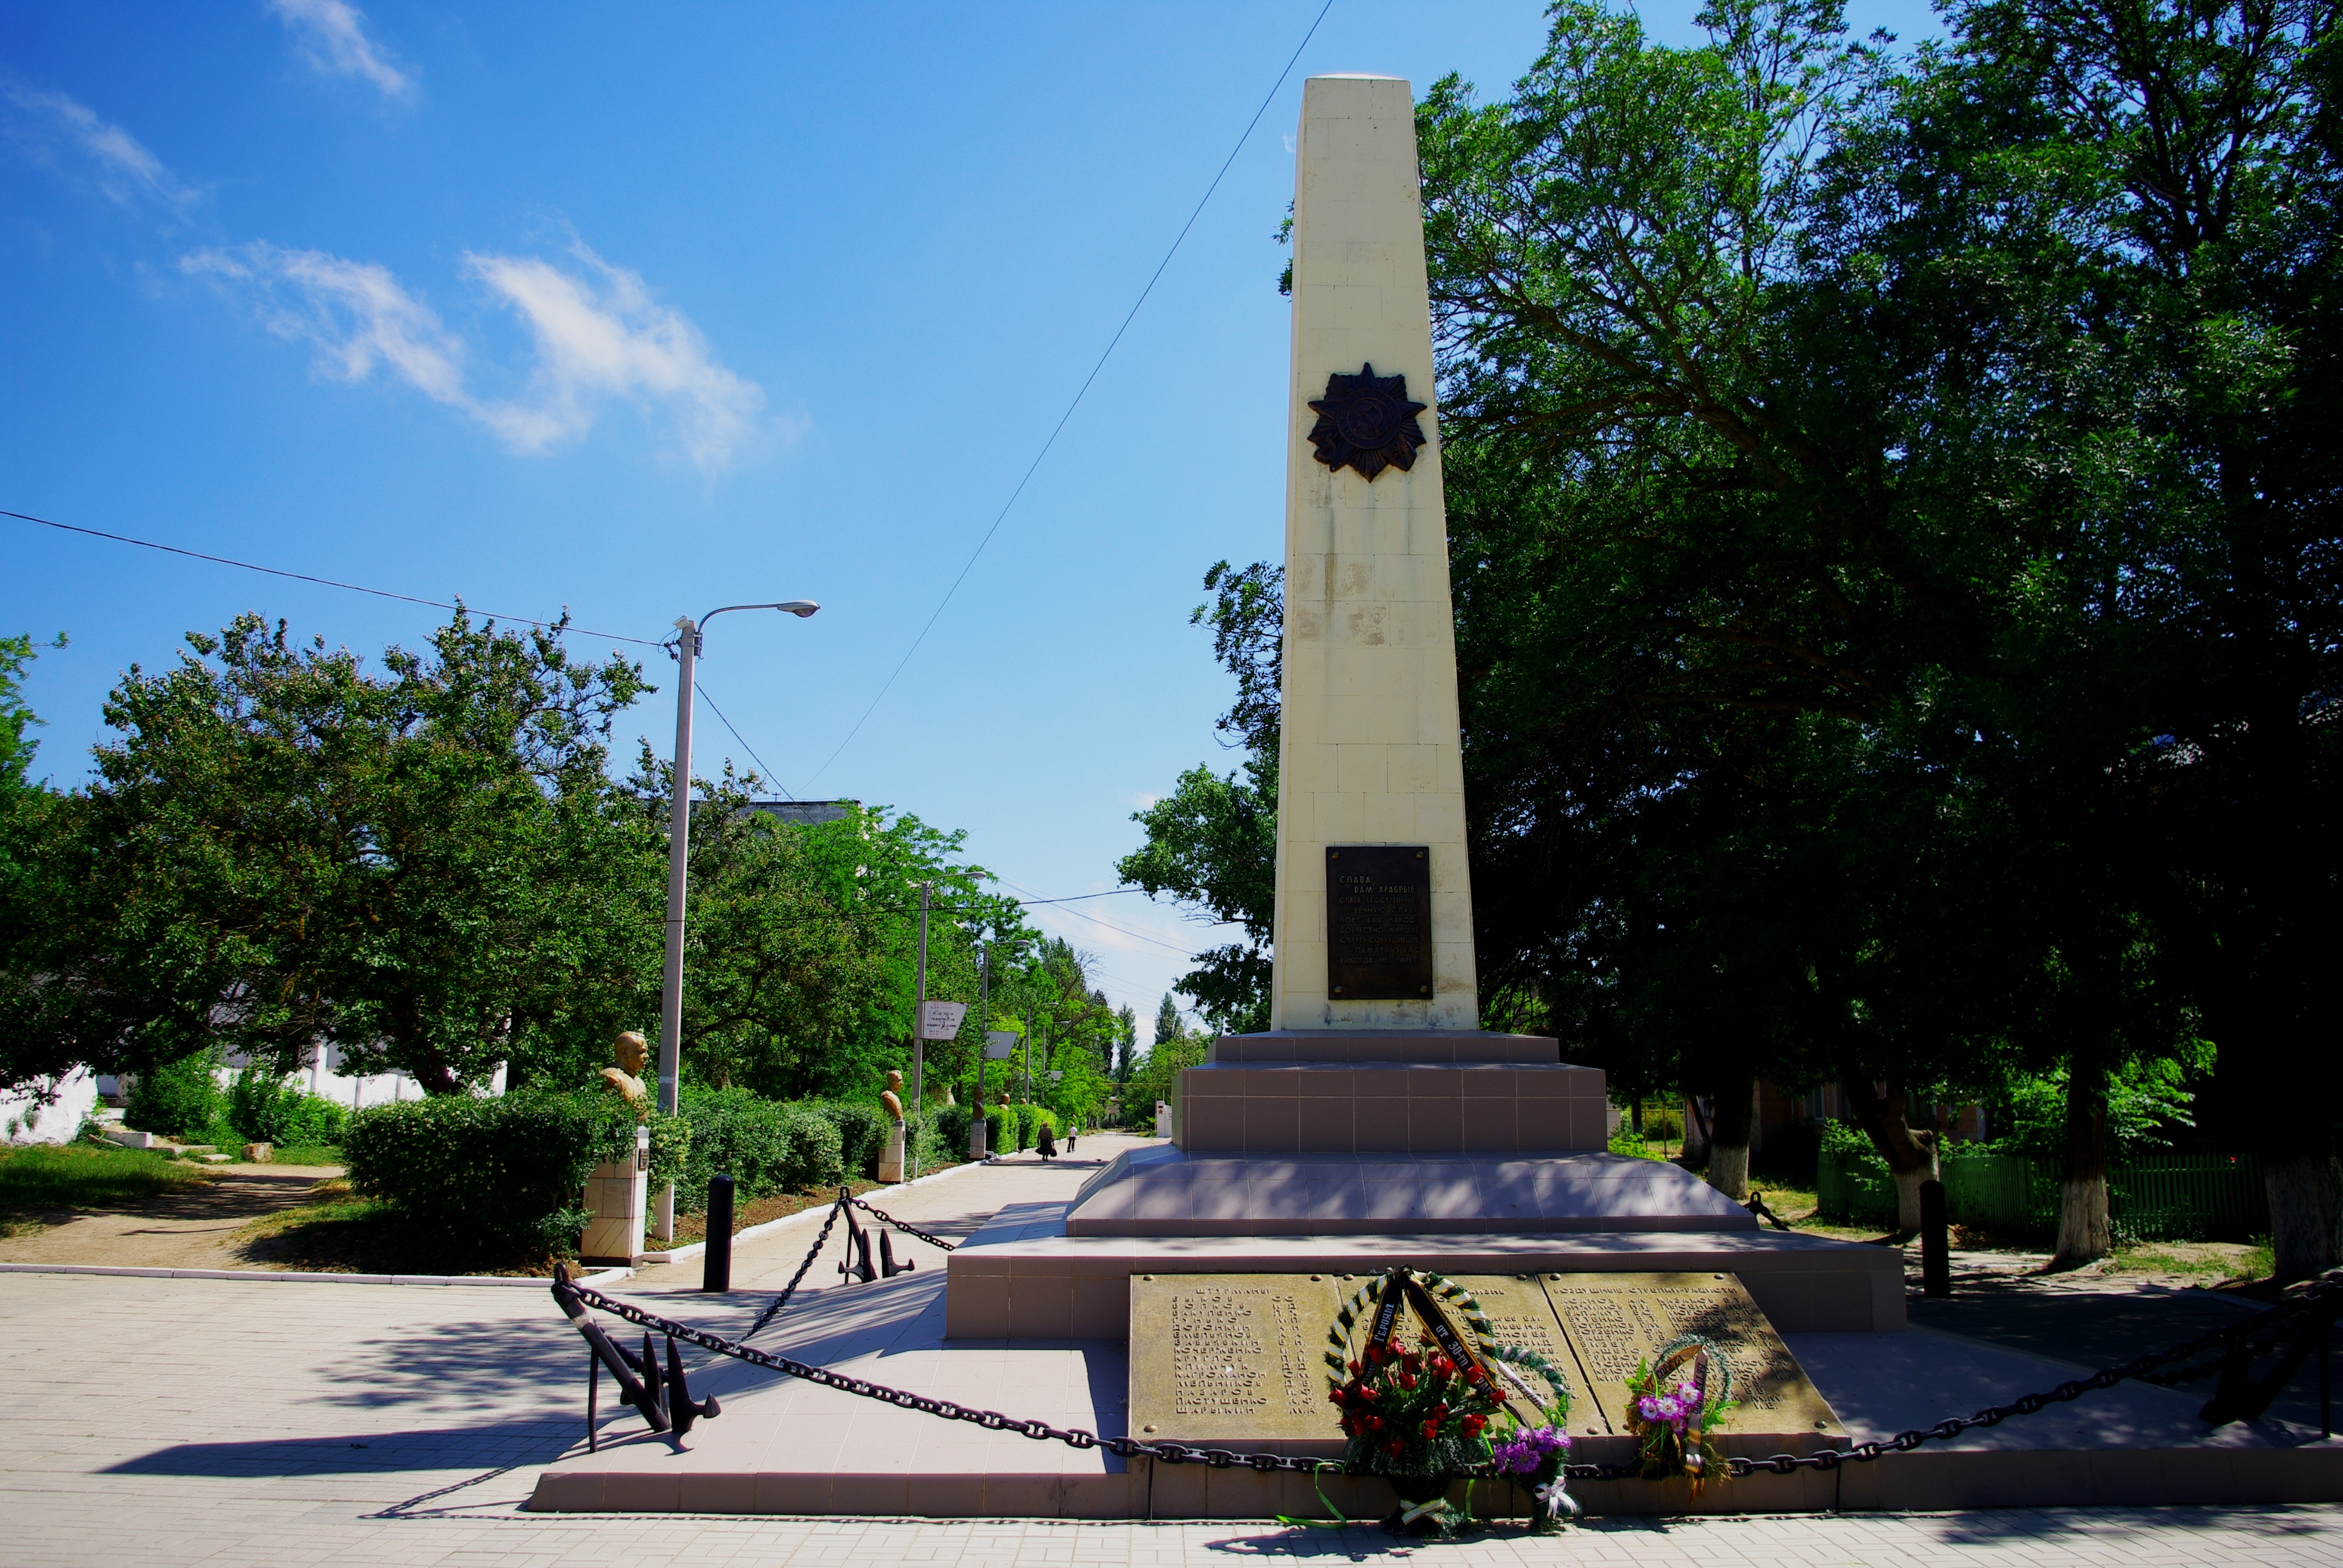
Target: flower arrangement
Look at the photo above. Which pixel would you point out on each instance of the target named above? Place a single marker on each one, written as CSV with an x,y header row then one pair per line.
x,y
1535,1455
1673,1409
1414,1413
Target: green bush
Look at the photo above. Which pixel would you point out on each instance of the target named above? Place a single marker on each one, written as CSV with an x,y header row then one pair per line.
x,y
952,1123
264,1109
764,1145
1028,1120
501,1172
861,1133
1001,1135
177,1100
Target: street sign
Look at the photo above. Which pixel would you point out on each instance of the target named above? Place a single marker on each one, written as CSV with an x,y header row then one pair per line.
x,y
998,1044
942,1020
1056,1073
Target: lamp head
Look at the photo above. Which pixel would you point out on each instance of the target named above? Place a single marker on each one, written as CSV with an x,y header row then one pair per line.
x,y
801,608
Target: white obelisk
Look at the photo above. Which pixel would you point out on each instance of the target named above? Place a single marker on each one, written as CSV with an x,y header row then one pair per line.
x,y
1370,752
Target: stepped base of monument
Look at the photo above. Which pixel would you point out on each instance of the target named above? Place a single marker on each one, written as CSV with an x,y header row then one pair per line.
x,y
783,1446
1022,1277
1162,1191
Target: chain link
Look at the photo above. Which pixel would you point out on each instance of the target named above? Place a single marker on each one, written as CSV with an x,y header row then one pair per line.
x,y
2252,1337
907,1230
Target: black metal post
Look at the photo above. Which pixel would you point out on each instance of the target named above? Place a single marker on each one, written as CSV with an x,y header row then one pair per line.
x,y
716,1263
2326,1382
1936,1264
593,1398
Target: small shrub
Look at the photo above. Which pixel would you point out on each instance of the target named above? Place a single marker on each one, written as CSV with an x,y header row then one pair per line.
x,y
952,1123
1000,1131
264,1109
1028,1119
177,1100
501,1172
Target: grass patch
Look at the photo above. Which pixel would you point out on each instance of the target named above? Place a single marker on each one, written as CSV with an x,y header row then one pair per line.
x,y
49,1177
2212,1262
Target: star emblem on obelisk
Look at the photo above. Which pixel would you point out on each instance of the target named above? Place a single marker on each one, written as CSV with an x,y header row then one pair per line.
x,y
1365,420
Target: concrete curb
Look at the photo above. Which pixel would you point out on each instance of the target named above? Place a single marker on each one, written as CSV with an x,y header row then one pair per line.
x,y
292,1276
684,1254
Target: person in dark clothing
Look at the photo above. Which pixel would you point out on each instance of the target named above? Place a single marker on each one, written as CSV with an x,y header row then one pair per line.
x,y
1048,1145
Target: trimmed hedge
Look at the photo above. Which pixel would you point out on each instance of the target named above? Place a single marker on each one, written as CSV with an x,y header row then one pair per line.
x,y
764,1145
861,1133
501,1172
952,1123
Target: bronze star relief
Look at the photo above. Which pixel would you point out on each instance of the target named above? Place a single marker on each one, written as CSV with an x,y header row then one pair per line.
x,y
1366,421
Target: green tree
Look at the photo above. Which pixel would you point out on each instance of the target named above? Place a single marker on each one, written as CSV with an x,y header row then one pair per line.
x,y
423,867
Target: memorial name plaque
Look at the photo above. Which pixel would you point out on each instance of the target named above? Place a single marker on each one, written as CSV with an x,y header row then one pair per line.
x,y
1228,1357
1616,1322
1378,921
1519,1315
1240,1358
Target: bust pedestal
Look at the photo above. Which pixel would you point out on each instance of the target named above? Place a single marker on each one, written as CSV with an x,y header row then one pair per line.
x,y
617,1191
890,1159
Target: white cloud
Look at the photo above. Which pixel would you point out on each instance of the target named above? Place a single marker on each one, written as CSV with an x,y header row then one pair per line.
x,y
68,137
598,336
355,313
331,36
601,336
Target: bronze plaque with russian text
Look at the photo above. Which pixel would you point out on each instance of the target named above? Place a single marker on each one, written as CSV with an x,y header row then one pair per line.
x,y
1378,922
1239,1358
1616,1322
1218,1358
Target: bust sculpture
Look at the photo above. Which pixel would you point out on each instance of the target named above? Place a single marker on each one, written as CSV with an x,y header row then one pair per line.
x,y
626,1078
893,1098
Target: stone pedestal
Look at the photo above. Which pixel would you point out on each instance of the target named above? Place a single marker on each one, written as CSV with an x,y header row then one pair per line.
x,y
618,1192
890,1159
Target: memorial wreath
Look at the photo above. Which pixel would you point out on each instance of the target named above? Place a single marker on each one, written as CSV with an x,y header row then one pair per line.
x,y
1420,1414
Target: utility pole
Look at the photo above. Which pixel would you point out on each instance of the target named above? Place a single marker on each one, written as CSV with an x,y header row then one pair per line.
x,y
979,1130
920,1030
679,864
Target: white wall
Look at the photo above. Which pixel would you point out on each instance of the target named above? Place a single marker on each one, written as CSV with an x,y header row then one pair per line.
x,y
24,1118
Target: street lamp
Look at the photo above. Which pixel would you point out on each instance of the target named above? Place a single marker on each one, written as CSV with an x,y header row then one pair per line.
x,y
678,844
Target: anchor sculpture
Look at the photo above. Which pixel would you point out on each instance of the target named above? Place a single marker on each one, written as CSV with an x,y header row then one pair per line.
x,y
661,1396
858,1253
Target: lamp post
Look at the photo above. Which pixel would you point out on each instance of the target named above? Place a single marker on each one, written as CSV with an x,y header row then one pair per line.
x,y
679,856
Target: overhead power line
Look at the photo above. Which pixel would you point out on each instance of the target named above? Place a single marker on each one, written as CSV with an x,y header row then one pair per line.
x,y
1080,392
322,582
743,739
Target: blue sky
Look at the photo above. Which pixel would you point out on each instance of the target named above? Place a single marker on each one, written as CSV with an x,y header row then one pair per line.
x,y
643,310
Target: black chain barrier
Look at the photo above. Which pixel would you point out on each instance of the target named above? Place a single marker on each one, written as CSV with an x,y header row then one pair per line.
x,y
2307,1316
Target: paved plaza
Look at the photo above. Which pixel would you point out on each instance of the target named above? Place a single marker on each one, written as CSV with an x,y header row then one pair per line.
x,y
175,1421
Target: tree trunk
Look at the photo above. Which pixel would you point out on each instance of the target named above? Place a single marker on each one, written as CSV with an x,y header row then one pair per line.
x,y
1911,1156
2306,1203
2085,1232
1728,1147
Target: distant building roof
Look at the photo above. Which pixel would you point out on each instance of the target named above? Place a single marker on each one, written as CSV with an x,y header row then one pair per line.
x,y
806,813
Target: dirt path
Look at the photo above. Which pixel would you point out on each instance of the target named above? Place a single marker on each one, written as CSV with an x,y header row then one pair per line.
x,y
193,1228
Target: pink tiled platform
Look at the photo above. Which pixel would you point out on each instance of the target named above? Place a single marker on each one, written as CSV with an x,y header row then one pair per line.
x,y
1422,1091
1022,1277
1161,1190
783,1446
